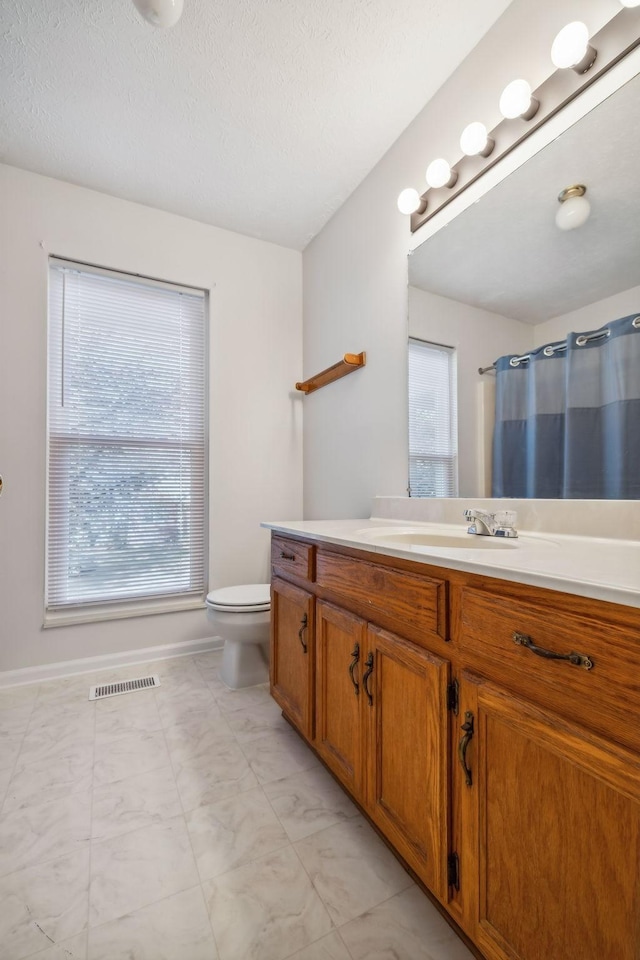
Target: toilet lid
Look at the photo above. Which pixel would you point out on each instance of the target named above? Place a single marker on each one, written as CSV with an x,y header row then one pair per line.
x,y
245,598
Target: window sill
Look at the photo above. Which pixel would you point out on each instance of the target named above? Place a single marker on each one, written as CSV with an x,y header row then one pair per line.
x,y
120,611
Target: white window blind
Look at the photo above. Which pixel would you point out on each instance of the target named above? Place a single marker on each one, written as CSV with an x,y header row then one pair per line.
x,y
433,428
127,438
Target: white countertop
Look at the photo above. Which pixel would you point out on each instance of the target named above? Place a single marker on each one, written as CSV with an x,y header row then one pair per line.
x,y
605,569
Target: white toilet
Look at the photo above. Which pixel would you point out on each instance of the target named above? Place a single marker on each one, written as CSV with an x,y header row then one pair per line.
x,y
241,617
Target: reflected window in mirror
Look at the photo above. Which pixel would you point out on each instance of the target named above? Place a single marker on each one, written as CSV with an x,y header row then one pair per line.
x,y
433,421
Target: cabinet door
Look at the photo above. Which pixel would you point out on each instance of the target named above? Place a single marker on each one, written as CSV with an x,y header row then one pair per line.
x,y
340,650
407,756
292,653
558,835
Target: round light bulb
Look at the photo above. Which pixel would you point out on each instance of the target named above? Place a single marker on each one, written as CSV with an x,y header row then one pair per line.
x,y
630,3
574,210
570,45
474,139
159,13
516,100
440,174
409,201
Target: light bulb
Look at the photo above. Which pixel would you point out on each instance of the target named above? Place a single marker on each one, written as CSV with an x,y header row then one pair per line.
x,y
516,100
410,201
574,208
571,48
630,3
440,174
159,13
475,141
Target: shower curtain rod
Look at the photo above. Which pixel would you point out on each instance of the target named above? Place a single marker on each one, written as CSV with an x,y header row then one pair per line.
x,y
555,347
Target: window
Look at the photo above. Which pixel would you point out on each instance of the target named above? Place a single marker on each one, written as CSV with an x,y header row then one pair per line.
x,y
433,429
126,439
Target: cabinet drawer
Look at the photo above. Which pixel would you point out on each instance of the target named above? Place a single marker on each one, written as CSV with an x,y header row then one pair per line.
x,y
411,603
293,558
605,697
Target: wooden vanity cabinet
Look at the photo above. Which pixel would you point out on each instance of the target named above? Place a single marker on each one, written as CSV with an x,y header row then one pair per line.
x,y
340,721
381,726
557,822
551,686
504,771
292,654
405,697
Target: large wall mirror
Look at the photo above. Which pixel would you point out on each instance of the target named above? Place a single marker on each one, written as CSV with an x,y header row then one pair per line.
x,y
502,278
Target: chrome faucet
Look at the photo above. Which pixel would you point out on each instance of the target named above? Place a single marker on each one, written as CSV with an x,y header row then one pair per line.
x,y
485,524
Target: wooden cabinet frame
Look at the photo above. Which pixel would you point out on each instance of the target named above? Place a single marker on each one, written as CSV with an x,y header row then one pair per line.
x,y
439,668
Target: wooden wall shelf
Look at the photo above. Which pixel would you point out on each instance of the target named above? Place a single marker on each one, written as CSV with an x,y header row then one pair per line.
x,y
349,363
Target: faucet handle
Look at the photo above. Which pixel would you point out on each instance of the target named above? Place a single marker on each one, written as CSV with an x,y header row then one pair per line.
x,y
506,518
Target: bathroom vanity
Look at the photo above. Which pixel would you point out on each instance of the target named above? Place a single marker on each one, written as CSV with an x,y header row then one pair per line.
x,y
488,726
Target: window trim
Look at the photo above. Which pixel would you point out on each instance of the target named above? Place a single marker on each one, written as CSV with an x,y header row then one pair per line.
x,y
118,609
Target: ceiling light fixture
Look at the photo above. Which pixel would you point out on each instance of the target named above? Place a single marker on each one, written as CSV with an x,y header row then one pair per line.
x,y
410,201
475,141
516,101
571,48
574,207
440,174
159,13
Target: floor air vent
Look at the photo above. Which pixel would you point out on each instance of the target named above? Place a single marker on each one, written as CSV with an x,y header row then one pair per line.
x,y
124,686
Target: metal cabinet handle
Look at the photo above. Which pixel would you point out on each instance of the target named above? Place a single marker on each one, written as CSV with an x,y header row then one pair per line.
x,y
577,659
303,627
355,654
287,556
369,665
467,727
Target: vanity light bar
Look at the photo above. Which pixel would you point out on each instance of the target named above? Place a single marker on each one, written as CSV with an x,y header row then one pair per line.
x,y
579,61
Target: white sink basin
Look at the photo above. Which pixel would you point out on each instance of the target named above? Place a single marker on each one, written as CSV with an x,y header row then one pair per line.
x,y
462,541
445,539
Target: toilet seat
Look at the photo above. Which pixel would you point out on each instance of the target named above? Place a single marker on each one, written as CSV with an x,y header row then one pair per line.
x,y
246,598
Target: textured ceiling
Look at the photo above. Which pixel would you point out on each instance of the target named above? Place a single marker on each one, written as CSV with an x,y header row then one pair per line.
x,y
260,117
505,253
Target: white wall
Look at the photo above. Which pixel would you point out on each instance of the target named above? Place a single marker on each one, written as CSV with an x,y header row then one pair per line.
x,y
480,337
355,270
587,318
255,424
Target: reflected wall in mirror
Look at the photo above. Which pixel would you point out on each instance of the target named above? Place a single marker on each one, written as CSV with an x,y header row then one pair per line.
x,y
501,278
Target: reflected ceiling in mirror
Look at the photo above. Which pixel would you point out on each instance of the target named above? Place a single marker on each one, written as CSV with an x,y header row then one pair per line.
x,y
505,254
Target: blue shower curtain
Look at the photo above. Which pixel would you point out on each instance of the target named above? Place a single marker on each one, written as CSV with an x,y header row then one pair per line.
x,y
568,417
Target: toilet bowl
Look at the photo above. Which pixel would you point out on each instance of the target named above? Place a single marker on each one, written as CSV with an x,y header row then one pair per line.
x,y
241,616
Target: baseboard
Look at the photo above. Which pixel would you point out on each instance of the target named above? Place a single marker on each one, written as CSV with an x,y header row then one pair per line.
x,y
108,661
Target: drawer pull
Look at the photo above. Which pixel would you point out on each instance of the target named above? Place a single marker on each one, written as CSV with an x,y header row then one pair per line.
x,y
303,627
577,659
287,556
369,665
467,727
355,654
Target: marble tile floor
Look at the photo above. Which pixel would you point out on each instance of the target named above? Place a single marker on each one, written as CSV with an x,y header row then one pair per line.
x,y
188,823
